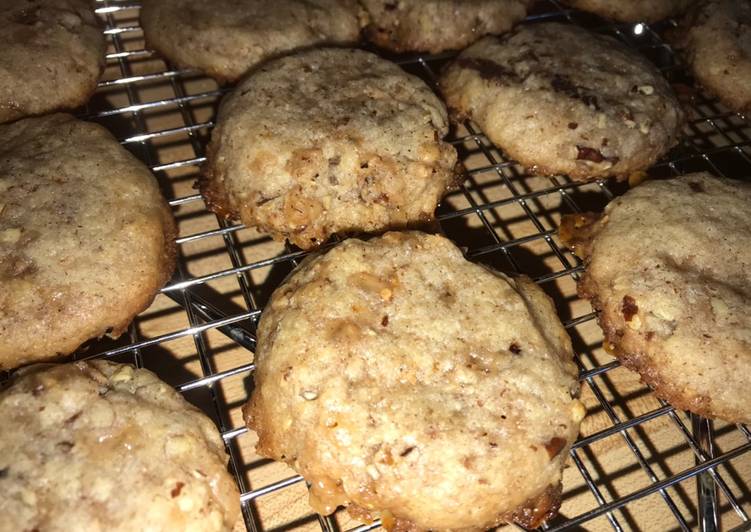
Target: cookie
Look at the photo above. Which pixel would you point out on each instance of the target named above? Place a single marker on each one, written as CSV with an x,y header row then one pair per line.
x,y
438,25
86,239
225,38
103,446
715,40
668,268
329,141
53,55
632,10
409,384
562,100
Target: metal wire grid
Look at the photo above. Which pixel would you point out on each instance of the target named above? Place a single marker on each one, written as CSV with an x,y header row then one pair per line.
x,y
716,140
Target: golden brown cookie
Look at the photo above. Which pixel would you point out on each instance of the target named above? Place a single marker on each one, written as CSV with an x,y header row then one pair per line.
x,y
86,238
715,40
52,56
562,100
438,25
668,268
632,10
95,446
407,383
326,141
226,38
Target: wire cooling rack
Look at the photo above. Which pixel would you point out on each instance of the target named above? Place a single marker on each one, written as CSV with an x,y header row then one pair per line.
x,y
639,464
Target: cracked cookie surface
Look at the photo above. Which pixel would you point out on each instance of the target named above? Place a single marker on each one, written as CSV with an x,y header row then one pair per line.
x,y
329,141
409,384
668,268
562,100
98,446
86,239
438,25
226,38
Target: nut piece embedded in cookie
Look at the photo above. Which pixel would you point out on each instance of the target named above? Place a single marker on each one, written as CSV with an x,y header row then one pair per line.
x,y
408,384
227,38
103,446
632,10
329,141
438,25
715,41
562,100
668,268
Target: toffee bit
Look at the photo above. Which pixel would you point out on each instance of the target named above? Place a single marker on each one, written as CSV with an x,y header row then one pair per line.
x,y
554,446
578,230
637,178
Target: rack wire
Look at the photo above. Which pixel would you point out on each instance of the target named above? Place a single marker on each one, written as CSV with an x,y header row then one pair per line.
x,y
199,334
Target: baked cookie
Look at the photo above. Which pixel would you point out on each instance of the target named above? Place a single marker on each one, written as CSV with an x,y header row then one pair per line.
x,y
632,10
407,383
668,268
326,141
103,446
86,239
562,100
225,38
438,25
52,56
715,40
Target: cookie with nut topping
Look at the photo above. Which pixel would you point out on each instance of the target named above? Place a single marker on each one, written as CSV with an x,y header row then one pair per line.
x,y
561,100
715,41
86,238
668,269
104,446
52,56
632,10
329,141
227,38
438,25
406,383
